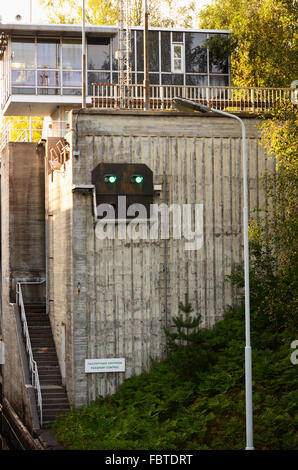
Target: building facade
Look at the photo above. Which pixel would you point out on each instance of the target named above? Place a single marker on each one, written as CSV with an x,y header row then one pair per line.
x,y
42,65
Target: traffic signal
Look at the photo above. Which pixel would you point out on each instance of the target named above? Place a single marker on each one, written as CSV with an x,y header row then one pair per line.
x,y
137,179
133,180
110,179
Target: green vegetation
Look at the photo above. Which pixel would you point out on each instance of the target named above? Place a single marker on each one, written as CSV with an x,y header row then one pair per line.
x,y
263,41
195,399
175,407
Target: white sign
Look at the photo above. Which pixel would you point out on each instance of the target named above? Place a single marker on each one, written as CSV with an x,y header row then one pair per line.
x,y
105,365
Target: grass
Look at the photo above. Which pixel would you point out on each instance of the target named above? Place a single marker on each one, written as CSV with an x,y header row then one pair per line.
x,y
195,399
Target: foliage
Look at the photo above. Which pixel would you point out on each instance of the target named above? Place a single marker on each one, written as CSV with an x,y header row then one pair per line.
x,y
17,128
263,39
107,12
159,410
273,239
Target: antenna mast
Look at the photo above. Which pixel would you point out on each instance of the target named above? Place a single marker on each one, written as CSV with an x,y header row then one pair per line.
x,y
124,52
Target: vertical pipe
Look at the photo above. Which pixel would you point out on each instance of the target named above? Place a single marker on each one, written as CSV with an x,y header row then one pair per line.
x,y
146,62
83,58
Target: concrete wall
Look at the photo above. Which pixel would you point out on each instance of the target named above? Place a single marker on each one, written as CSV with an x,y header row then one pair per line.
x,y
23,256
59,214
22,206
123,293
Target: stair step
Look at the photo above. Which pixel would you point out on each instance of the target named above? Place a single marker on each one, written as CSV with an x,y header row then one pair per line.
x,y
47,407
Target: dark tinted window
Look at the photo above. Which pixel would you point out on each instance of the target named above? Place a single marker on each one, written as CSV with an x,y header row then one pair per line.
x,y
98,54
177,37
165,51
172,79
140,51
218,53
218,80
154,78
97,77
196,52
153,51
115,48
196,80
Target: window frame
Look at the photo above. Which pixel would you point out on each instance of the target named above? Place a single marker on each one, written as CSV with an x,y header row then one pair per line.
x,y
173,68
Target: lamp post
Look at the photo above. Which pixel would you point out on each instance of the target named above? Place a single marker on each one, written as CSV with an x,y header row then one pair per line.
x,y
83,57
186,105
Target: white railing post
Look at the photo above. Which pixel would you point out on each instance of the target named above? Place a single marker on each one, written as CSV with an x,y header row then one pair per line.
x,y
32,363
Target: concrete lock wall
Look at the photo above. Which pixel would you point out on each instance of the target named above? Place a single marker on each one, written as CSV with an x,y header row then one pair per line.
x,y
118,295
23,257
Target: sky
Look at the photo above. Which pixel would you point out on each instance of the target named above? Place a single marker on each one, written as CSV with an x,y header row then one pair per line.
x,y
10,8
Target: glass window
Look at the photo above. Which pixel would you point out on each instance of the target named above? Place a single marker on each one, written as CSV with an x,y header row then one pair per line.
x,y
177,37
153,51
23,91
115,77
154,78
23,53
98,54
47,78
165,51
48,91
72,79
140,78
48,54
23,77
115,48
71,54
72,91
195,52
172,79
218,53
196,80
97,77
140,51
218,80
177,58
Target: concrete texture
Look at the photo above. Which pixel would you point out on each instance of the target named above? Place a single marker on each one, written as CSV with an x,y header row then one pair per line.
x,y
23,257
114,297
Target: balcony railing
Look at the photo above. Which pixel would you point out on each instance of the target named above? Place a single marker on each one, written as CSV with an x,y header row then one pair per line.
x,y
234,99
23,130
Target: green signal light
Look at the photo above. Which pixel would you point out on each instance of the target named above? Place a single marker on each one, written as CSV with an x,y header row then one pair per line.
x,y
110,179
138,179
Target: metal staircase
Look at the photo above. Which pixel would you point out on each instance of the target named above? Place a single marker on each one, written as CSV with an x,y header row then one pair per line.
x,y
53,394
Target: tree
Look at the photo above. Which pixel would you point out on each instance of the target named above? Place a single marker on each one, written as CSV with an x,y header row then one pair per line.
x,y
273,237
263,39
108,12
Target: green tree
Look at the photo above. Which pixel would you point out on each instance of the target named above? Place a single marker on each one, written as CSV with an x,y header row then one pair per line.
x,y
263,39
107,12
273,237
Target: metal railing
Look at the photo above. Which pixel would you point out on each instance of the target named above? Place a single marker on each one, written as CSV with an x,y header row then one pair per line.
x,y
32,363
25,131
236,99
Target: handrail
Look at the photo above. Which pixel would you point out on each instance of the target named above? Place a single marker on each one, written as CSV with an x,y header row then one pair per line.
x,y
231,98
32,363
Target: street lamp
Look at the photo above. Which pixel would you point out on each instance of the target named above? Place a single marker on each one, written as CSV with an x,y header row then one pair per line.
x,y
186,105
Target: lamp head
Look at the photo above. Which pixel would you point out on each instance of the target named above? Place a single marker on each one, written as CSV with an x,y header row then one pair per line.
x,y
186,105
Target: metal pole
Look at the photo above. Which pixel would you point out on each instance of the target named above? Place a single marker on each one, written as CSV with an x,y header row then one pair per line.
x,y
248,362
146,61
83,58
185,105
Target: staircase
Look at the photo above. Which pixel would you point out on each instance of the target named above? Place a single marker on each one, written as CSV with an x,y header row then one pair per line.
x,y
54,397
